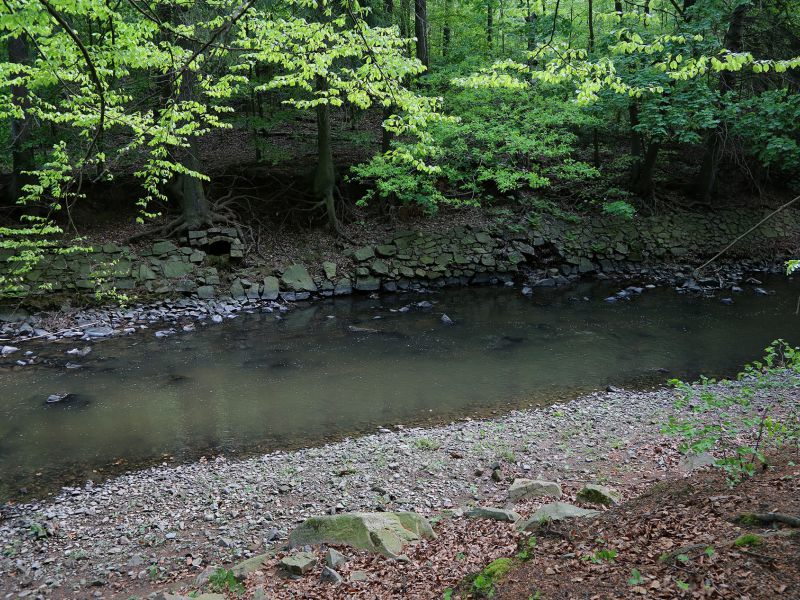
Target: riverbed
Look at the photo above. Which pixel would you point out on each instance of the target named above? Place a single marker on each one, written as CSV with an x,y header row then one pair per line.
x,y
264,381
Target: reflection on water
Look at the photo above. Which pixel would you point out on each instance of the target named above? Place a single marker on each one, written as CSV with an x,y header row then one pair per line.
x,y
257,382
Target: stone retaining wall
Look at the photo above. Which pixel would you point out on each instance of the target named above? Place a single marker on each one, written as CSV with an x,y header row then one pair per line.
x,y
461,256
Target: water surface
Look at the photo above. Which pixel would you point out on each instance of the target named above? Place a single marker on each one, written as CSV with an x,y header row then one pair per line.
x,y
257,383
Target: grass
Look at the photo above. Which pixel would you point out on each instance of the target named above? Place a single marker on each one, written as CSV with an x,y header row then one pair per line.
x,y
426,444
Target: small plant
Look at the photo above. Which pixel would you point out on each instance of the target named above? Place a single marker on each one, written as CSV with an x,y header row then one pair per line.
x,y
485,581
600,556
682,585
448,594
223,580
526,548
426,444
733,425
635,578
748,540
37,530
152,572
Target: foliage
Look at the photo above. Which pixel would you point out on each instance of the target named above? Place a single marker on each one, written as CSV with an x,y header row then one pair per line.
x,y
734,424
485,581
223,580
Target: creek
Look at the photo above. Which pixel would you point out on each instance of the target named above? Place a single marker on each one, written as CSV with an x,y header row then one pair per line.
x,y
350,365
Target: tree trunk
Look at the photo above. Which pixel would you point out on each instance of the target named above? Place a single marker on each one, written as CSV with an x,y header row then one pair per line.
x,y
489,24
591,26
707,177
195,207
530,19
421,30
22,158
447,33
405,11
642,183
325,175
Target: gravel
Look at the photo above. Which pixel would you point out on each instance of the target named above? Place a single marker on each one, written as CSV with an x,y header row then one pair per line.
x,y
171,522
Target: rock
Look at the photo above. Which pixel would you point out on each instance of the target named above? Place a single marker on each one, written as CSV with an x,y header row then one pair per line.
x,y
299,563
168,596
334,559
556,511
81,352
343,288
368,284
98,332
251,565
62,397
270,288
598,494
692,462
164,247
379,267
447,320
297,279
330,576
205,292
533,488
364,253
496,514
330,269
384,533
7,350
216,318
727,301
359,576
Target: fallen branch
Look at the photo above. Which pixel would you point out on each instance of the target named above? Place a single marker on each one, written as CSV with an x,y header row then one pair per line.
x,y
745,234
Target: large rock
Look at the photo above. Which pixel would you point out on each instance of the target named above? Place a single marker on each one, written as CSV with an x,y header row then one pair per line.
x,y
598,494
556,511
270,288
297,279
533,488
251,565
384,533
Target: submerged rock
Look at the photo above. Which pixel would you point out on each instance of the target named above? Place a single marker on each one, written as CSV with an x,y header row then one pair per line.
x,y
61,397
447,320
383,533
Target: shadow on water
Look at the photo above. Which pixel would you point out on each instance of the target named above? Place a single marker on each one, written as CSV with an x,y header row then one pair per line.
x,y
333,369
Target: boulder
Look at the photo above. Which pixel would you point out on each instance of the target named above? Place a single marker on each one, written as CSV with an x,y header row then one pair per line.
x,y
384,533
495,514
251,565
300,563
598,494
533,488
556,511
297,279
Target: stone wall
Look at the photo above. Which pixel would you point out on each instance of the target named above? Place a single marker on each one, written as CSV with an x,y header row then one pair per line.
x,y
461,256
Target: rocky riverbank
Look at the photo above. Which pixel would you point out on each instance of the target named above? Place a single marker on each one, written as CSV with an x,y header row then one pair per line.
x,y
164,526
211,274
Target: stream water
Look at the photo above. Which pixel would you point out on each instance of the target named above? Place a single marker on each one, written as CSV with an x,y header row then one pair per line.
x,y
256,383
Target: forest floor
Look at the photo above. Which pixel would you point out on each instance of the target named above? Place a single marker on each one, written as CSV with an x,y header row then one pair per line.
x,y
169,527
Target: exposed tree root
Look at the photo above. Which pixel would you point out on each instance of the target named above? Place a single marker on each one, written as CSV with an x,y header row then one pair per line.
x,y
768,519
